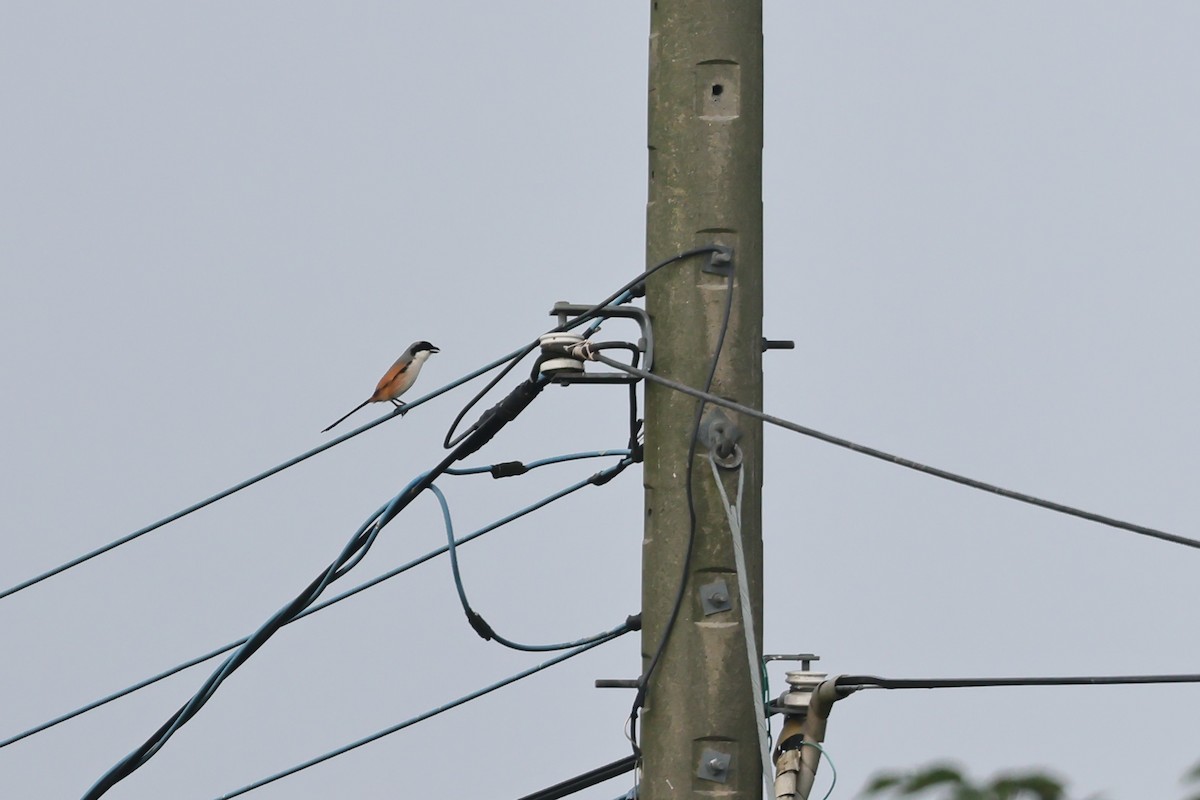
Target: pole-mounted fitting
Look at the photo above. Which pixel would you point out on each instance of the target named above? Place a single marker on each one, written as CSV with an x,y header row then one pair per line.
x,y
778,344
720,435
563,366
720,261
806,706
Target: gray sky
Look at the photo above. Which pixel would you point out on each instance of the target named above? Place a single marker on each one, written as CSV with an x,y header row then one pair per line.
x,y
222,221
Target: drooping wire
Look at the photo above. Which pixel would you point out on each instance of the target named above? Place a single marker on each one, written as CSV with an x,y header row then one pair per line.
x,y
832,769
626,293
882,455
597,479
478,623
252,480
520,468
491,423
644,681
558,659
632,289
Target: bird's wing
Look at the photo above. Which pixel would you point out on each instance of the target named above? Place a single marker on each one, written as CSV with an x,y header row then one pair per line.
x,y
382,389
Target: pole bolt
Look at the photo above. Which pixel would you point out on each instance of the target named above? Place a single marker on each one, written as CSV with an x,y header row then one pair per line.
x,y
714,766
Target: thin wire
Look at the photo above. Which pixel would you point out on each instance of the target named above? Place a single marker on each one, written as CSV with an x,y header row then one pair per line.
x,y
587,779
249,481
590,481
541,462
508,409
644,682
513,358
419,718
900,460
828,760
624,294
852,683
477,622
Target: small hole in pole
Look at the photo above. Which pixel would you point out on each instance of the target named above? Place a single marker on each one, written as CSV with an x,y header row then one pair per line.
x,y
717,89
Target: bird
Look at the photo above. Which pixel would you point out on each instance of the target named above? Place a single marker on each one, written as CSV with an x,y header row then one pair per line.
x,y
397,380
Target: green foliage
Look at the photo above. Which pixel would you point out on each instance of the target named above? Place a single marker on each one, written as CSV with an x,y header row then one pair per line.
x,y
1193,777
950,784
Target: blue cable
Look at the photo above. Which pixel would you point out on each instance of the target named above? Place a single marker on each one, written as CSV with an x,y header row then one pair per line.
x,y
319,607
622,296
514,403
828,760
541,462
477,622
421,717
621,299
251,481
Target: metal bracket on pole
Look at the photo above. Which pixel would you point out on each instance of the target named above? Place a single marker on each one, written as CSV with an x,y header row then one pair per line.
x,y
777,344
805,659
564,311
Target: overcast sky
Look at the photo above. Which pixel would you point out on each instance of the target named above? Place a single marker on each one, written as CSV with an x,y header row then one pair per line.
x,y
222,221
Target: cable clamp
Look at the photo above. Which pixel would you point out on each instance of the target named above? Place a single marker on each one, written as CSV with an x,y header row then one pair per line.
x,y
720,435
565,312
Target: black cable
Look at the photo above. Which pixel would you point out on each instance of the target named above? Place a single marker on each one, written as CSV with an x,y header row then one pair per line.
x,y
580,782
631,286
249,481
489,424
853,683
447,443
598,479
644,681
414,720
882,455
478,623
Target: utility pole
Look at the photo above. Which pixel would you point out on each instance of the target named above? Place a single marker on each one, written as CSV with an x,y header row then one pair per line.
x,y
698,730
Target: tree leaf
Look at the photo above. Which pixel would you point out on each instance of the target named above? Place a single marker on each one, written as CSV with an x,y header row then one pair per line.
x,y
937,775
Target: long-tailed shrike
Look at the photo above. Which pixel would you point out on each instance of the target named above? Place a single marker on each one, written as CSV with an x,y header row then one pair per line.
x,y
397,380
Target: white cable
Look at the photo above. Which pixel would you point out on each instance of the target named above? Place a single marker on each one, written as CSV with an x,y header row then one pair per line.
x,y
734,513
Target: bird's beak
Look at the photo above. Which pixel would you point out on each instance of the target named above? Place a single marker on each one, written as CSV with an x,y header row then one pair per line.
x,y
434,350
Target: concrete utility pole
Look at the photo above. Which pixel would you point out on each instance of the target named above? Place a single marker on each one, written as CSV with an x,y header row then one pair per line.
x,y
706,125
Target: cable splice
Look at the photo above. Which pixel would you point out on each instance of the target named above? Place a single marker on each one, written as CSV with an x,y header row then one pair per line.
x,y
508,469
632,289
482,432
634,622
476,620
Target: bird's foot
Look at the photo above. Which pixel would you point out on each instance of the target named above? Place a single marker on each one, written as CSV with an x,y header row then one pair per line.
x,y
401,407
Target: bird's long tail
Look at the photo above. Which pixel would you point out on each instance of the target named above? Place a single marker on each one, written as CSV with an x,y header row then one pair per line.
x,y
343,419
